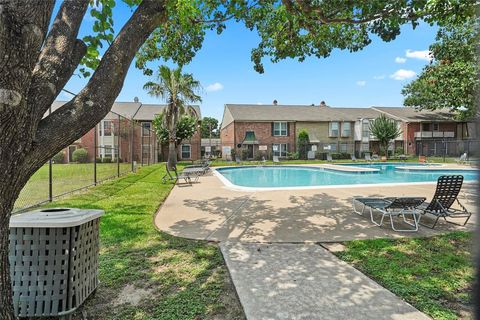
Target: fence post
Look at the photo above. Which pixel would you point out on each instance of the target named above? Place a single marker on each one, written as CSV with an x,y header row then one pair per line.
x,y
118,146
95,151
149,146
50,181
132,133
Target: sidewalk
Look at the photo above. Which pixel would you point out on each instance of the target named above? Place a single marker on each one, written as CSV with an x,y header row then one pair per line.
x,y
305,281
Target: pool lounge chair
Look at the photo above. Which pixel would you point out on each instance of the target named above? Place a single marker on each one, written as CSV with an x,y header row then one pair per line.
x,y
401,206
168,175
276,160
463,158
367,157
352,156
375,157
329,157
237,160
446,194
202,167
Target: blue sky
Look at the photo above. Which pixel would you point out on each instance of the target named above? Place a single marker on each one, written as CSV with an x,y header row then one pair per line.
x,y
373,76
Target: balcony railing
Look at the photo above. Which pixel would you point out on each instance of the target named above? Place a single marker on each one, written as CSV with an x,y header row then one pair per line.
x,y
435,134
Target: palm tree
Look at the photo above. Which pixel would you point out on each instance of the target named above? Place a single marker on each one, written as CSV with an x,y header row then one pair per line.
x,y
385,130
179,90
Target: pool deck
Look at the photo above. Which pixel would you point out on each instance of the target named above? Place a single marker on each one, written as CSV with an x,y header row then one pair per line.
x,y
208,210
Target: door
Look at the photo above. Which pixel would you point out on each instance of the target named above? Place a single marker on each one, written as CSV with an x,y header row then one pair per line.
x,y
250,151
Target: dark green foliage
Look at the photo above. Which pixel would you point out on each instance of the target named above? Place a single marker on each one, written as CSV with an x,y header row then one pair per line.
x,y
209,126
107,160
451,80
186,127
385,130
59,157
341,156
80,155
303,141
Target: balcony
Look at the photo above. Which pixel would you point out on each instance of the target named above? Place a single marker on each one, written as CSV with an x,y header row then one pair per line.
x,y
434,134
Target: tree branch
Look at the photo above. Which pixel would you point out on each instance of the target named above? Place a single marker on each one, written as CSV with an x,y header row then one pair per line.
x,y
95,100
59,57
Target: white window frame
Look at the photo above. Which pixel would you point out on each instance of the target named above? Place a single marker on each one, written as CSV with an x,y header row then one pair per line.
x,y
280,152
149,129
330,129
349,129
189,151
102,128
435,126
366,129
280,129
343,148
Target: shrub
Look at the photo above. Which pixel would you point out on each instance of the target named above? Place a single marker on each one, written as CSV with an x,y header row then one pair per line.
x,y
399,150
293,156
244,154
303,141
340,156
59,157
80,155
107,160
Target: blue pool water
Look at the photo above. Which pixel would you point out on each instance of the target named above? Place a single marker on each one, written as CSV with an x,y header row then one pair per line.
x,y
298,176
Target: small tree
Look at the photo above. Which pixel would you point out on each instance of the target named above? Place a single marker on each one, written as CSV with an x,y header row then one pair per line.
x,y
303,141
209,128
179,89
185,129
385,130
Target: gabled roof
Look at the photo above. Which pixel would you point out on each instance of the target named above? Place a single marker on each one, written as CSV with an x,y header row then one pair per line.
x,y
148,112
302,113
131,110
408,114
245,112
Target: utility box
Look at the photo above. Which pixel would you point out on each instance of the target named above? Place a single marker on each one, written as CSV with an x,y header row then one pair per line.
x,y
53,256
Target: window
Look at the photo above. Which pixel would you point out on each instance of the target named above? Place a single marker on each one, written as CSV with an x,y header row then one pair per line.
x,y
366,129
280,149
146,127
280,128
425,126
436,127
106,128
343,147
334,129
346,129
186,151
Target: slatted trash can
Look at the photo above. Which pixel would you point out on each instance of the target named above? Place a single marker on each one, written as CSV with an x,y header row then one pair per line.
x,y
53,260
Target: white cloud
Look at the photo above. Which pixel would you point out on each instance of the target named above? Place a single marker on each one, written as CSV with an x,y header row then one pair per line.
x,y
379,77
422,54
361,83
402,74
217,86
259,103
400,60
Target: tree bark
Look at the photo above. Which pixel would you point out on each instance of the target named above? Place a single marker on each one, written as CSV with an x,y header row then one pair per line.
x,y
34,68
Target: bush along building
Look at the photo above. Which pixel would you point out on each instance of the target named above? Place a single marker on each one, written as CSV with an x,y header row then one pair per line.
x,y
257,131
126,134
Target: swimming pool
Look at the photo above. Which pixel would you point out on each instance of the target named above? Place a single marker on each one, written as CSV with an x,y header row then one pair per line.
x,y
310,177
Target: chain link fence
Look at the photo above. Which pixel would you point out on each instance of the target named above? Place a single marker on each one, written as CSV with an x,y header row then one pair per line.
x,y
448,148
115,146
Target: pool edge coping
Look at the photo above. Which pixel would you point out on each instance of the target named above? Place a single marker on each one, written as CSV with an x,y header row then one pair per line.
x,y
229,185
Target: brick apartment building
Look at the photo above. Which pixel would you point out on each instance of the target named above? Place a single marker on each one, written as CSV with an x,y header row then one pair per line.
x,y
253,130
127,132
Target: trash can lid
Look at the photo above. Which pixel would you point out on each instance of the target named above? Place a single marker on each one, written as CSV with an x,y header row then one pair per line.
x,y
54,218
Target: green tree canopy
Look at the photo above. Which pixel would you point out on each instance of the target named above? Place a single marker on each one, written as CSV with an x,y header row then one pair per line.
x,y
186,127
451,80
209,126
385,130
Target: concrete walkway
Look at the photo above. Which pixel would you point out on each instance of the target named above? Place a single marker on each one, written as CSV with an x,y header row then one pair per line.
x,y
209,211
293,281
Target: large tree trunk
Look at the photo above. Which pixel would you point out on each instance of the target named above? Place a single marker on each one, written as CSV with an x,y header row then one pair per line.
x,y
172,139
35,67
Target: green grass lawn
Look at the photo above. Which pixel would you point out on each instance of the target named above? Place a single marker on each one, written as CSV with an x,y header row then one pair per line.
x,y
433,274
66,178
173,278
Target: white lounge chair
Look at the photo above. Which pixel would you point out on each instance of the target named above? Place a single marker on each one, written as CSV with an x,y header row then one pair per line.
x,y
329,157
276,160
463,158
367,157
391,207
